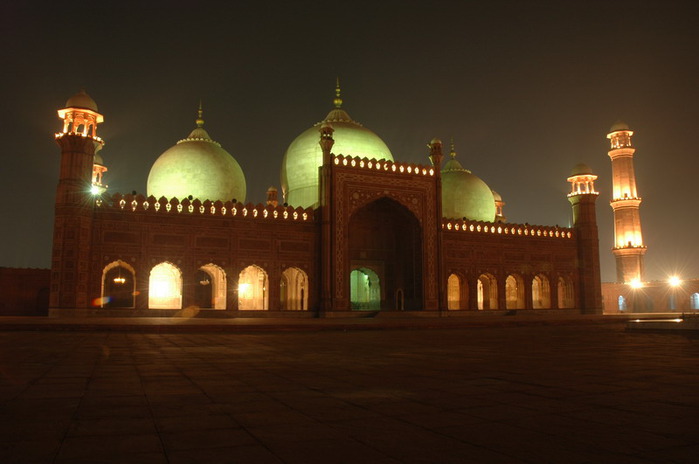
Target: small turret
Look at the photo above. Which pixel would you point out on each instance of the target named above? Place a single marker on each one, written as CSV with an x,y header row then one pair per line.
x,y
435,155
272,196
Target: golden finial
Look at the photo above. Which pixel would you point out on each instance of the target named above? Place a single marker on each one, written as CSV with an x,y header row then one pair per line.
x,y
452,151
337,101
200,114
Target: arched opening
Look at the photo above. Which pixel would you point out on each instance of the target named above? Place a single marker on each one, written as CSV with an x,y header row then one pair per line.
x,y
514,292
165,287
294,289
453,292
118,286
252,289
386,238
541,292
621,302
694,301
210,287
487,292
365,290
566,294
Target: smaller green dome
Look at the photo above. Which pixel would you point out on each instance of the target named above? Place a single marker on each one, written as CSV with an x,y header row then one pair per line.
x,y
581,169
199,167
465,195
82,100
619,126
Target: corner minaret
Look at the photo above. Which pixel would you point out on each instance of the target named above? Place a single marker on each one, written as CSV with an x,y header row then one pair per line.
x,y
628,240
70,267
582,198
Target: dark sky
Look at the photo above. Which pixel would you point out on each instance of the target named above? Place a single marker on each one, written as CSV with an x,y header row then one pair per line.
x,y
527,89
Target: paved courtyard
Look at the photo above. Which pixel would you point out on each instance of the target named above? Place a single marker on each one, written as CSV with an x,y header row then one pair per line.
x,y
562,394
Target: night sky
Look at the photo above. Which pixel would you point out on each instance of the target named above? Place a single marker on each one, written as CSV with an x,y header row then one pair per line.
x,y
526,89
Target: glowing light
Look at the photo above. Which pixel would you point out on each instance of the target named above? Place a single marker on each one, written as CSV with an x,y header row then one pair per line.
x,y
674,281
95,190
119,280
636,283
244,290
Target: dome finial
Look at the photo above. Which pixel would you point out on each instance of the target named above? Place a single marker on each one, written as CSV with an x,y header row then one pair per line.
x,y
452,151
337,101
200,114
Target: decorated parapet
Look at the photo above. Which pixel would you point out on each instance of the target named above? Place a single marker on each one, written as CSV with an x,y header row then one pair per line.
x,y
525,230
151,205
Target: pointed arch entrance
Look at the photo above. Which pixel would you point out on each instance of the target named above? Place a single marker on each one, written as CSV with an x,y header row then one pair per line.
x,y
118,285
165,287
293,289
386,238
487,292
252,289
514,292
453,292
566,293
210,287
365,289
541,292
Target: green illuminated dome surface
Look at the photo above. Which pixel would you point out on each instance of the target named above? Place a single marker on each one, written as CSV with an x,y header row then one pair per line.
x,y
465,194
299,172
199,167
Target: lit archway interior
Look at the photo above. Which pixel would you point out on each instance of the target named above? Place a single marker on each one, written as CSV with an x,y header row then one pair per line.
x,y
365,289
541,292
453,292
210,287
252,289
385,237
694,301
293,290
566,294
487,292
514,292
165,287
118,285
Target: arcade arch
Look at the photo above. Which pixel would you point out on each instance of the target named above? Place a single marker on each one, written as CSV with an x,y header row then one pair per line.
x,y
514,292
566,293
165,287
541,292
487,292
293,289
210,287
118,285
252,289
453,292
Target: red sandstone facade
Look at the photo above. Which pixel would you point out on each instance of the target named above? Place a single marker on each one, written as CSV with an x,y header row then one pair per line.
x,y
376,215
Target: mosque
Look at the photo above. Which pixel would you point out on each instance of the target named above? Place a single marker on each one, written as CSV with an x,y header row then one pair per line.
x,y
352,230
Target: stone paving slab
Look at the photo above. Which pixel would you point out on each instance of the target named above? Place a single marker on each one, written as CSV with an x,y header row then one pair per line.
x,y
573,393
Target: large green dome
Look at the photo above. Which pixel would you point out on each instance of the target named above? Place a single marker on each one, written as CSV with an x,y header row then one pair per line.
x,y
299,173
199,167
465,195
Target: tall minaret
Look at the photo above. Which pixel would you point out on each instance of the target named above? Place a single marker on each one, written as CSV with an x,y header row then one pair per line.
x,y
70,267
628,240
582,198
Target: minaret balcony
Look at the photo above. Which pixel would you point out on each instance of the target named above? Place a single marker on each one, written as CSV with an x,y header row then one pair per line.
x,y
626,202
630,250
